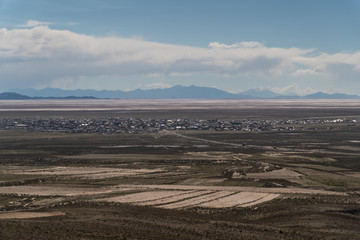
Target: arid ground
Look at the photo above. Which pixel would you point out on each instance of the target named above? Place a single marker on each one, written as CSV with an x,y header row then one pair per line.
x,y
201,184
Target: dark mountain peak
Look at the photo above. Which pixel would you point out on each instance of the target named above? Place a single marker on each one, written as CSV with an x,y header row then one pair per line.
x,y
261,93
12,96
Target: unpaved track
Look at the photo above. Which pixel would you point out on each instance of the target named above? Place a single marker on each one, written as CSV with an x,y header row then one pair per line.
x,y
52,190
232,188
218,142
143,196
25,215
85,172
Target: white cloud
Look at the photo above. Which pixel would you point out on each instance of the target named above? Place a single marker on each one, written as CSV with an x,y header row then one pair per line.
x,y
302,72
154,85
236,45
334,65
44,56
293,89
34,23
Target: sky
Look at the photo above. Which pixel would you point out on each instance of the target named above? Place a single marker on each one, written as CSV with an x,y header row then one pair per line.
x,y
287,46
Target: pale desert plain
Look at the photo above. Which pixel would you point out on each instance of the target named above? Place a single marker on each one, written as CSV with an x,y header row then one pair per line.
x,y
180,169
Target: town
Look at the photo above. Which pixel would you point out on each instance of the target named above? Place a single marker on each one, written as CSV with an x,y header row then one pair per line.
x,y
115,125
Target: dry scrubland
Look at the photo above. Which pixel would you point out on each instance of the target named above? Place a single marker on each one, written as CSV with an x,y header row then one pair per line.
x,y
279,185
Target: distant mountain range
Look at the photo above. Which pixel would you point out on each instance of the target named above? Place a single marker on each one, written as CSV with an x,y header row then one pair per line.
x,y
175,92
17,96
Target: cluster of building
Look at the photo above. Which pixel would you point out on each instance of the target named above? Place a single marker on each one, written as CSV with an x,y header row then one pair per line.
x,y
138,125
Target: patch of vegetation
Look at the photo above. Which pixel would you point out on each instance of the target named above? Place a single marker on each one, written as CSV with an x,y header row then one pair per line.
x,y
333,182
241,183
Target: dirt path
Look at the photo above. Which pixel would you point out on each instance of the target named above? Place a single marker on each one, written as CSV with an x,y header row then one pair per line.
x,y
25,215
218,142
52,190
233,188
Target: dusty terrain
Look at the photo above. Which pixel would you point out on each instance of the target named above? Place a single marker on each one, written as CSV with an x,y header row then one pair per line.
x,y
182,184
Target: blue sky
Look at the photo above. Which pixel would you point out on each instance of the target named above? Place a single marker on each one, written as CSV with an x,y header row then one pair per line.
x,y
286,46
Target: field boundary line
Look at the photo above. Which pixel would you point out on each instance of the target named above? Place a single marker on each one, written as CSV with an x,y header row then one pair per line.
x,y
186,199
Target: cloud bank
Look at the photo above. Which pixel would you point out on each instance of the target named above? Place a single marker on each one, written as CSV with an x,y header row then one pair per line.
x,y
40,55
